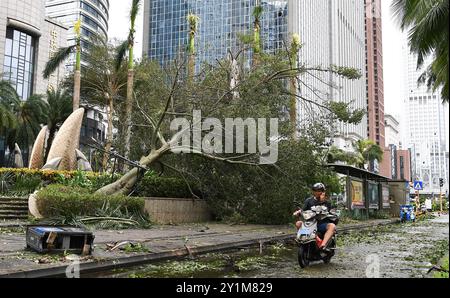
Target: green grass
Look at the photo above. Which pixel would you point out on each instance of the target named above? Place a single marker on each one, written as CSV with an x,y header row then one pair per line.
x,y
445,267
135,248
439,250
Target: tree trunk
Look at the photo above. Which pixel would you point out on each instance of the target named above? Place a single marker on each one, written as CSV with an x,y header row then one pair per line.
x,y
191,58
128,114
191,68
293,108
256,43
234,78
109,137
76,90
125,185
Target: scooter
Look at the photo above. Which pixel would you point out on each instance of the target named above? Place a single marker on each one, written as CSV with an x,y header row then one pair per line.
x,y
309,239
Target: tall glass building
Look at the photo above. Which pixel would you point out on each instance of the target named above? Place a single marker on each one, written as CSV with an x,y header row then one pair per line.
x,y
94,15
426,120
221,23
332,33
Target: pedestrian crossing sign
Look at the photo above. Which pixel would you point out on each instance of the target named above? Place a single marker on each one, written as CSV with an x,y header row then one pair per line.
x,y
418,185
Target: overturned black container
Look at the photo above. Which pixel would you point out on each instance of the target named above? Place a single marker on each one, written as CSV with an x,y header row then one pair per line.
x,y
59,239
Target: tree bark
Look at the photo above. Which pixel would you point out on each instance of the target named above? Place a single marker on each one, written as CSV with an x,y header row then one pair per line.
x,y
125,185
109,137
128,114
76,90
293,109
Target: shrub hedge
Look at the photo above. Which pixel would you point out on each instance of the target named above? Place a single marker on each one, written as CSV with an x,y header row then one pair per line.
x,y
71,201
50,176
26,181
149,186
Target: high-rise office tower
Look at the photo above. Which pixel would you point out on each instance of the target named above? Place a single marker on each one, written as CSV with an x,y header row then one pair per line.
x,y
27,40
374,72
332,33
426,130
221,23
94,16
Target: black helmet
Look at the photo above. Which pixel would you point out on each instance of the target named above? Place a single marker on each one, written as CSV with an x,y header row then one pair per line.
x,y
318,187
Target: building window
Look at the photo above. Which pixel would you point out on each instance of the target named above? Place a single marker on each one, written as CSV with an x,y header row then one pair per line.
x,y
402,167
18,65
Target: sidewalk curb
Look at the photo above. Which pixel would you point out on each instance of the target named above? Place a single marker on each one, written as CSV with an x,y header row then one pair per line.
x,y
101,266
13,225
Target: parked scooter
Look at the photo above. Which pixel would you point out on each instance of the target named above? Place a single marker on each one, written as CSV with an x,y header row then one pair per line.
x,y
309,239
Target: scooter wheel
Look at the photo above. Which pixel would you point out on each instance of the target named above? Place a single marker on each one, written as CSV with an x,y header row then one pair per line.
x,y
327,260
303,256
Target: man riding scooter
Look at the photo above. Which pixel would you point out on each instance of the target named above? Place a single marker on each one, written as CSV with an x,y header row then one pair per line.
x,y
325,227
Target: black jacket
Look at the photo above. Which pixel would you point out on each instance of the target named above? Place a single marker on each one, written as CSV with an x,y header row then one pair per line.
x,y
312,201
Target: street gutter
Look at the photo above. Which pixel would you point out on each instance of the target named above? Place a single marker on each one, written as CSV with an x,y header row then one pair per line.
x,y
126,262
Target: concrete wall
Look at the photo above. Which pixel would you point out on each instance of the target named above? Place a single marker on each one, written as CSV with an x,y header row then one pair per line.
x,y
386,165
405,172
29,16
175,211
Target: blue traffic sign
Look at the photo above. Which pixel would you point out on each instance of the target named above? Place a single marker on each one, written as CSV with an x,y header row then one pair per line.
x,y
418,185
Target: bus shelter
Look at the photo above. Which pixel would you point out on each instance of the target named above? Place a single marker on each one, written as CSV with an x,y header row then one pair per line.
x,y
367,191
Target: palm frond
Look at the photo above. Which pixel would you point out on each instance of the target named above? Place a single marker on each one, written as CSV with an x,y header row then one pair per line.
x,y
121,52
8,100
135,7
77,28
257,12
60,107
60,56
427,24
7,93
193,21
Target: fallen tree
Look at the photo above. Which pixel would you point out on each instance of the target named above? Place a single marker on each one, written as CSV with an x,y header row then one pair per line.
x,y
259,93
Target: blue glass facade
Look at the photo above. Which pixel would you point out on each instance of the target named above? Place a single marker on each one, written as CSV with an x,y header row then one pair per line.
x,y
19,62
221,23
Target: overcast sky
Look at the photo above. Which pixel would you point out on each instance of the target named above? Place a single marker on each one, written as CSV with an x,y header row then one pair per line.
x,y
119,23
392,48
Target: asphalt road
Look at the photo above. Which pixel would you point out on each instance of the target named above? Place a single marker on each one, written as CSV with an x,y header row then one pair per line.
x,y
396,251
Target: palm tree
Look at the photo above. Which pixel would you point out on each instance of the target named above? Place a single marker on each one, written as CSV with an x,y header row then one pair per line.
x,y
8,95
367,151
31,114
103,83
427,22
28,116
257,14
193,22
129,45
59,109
293,60
60,56
335,154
